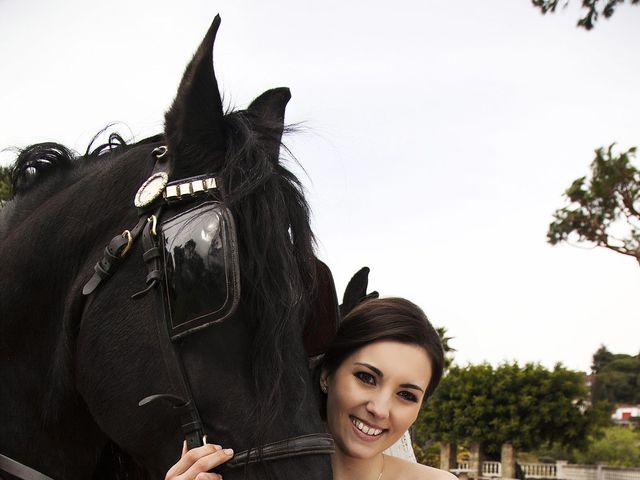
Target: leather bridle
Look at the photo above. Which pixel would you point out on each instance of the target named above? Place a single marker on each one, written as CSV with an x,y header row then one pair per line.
x,y
151,200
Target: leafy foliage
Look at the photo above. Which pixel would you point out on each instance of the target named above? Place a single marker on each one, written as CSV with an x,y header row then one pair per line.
x,y
448,349
5,184
605,210
527,406
428,454
551,453
600,359
594,9
617,378
618,447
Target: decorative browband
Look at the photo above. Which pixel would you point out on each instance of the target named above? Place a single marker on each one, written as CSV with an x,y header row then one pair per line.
x,y
184,189
158,184
188,188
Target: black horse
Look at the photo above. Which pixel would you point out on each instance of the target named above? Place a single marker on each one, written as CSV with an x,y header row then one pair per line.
x,y
74,367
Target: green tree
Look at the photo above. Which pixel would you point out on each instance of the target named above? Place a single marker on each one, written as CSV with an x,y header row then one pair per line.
x,y
618,381
618,447
551,453
594,9
601,358
604,211
448,349
5,184
527,406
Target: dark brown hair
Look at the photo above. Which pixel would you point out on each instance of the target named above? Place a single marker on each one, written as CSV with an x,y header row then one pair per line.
x,y
386,319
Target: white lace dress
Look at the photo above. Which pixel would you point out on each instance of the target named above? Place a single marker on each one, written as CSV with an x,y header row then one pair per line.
x,y
402,448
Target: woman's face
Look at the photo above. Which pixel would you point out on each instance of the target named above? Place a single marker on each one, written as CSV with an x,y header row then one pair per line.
x,y
375,396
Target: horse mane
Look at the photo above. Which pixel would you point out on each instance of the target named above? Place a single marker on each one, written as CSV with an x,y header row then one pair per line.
x,y
42,168
272,216
38,162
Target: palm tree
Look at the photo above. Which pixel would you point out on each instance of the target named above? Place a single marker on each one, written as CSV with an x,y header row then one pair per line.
x,y
448,349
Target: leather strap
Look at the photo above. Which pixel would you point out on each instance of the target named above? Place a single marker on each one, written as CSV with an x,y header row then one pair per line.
x,y
184,405
190,422
114,254
115,251
152,255
17,469
312,444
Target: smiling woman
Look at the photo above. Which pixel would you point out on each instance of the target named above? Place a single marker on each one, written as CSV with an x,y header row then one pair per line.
x,y
384,362
376,396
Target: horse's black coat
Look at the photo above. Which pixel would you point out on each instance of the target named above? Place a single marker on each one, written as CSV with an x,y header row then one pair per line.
x,y
73,370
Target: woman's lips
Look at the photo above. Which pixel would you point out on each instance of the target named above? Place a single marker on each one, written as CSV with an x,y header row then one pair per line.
x,y
365,431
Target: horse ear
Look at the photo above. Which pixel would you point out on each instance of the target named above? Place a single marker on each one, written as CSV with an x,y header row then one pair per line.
x,y
356,291
270,108
195,118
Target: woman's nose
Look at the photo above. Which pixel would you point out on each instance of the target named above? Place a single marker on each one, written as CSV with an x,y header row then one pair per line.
x,y
379,406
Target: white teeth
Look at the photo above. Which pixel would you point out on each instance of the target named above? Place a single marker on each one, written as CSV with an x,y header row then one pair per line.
x,y
365,429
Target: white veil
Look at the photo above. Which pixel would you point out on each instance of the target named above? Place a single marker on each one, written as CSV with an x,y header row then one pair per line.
x,y
402,448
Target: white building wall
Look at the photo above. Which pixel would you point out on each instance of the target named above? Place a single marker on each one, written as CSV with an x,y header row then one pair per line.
x,y
633,410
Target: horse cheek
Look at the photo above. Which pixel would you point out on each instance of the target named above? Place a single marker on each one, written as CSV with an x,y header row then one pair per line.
x,y
118,362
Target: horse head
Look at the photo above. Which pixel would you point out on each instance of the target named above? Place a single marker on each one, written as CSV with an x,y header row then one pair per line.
x,y
79,371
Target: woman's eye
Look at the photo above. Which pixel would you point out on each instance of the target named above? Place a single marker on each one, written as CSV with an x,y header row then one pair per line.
x,y
408,396
365,377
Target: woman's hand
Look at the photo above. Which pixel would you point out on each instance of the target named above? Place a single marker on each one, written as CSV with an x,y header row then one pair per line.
x,y
195,463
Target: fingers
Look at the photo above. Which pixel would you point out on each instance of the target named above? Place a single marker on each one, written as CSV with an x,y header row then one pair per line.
x,y
195,463
208,476
188,458
206,463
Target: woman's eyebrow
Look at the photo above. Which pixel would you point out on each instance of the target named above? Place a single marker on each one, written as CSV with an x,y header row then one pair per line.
x,y
372,368
411,385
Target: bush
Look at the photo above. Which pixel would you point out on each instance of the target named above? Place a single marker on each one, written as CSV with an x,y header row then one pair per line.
x,y
619,447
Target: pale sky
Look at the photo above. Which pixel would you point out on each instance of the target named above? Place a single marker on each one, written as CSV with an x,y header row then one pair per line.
x,y
438,139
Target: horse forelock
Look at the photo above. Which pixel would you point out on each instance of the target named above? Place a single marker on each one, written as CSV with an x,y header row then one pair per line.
x,y
277,253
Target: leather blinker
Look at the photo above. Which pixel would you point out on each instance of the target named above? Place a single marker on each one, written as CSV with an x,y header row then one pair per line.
x,y
202,274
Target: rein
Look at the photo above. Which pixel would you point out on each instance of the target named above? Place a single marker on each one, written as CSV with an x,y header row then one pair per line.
x,y
17,469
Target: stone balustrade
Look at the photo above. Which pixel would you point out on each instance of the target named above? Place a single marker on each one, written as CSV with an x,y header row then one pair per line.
x,y
551,471
539,470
